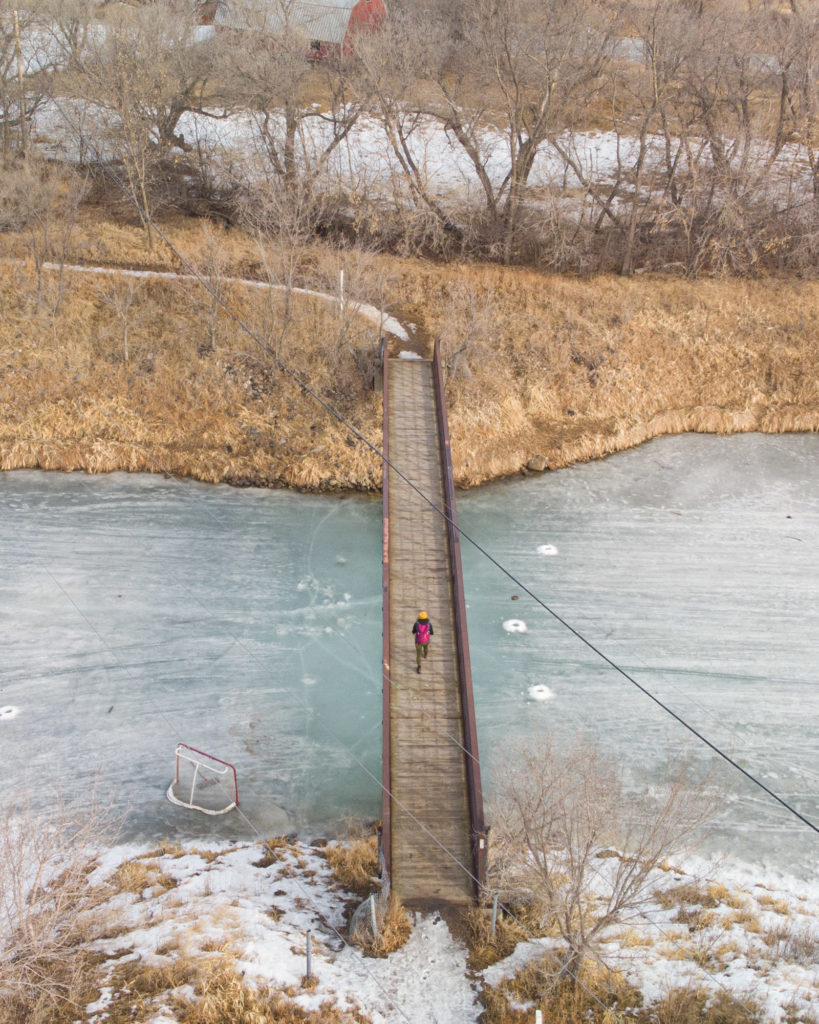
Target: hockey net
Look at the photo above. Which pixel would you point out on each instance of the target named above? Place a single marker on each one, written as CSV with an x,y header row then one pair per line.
x,y
202,782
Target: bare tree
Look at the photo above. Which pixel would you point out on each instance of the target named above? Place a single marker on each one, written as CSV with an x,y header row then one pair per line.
x,y
41,201
531,69
301,110
142,74
24,65
122,298
44,889
354,277
213,266
579,846
796,42
283,218
469,321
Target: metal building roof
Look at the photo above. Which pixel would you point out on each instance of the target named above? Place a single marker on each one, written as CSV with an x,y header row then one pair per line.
x,y
324,20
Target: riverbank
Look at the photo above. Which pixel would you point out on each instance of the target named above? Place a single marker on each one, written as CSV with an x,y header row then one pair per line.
x,y
148,375
214,932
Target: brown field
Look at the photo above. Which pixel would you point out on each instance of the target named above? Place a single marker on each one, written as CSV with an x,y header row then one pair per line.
x,y
107,373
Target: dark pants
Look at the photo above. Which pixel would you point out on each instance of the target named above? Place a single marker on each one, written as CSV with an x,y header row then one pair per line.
x,y
421,651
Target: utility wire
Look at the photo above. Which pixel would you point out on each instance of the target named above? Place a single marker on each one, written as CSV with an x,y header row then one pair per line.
x,y
332,735
333,412
175,730
193,272
203,282
506,572
562,968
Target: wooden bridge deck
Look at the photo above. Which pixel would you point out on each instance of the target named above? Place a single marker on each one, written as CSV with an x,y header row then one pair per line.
x,y
431,836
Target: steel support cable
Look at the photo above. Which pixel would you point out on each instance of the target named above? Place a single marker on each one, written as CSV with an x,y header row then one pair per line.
x,y
486,890
456,860
329,732
145,215
433,726
510,575
203,282
169,474
174,729
237,641
387,462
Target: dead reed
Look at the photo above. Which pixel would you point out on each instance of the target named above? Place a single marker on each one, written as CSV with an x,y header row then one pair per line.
x,y
602,997
486,948
394,928
220,995
101,375
355,864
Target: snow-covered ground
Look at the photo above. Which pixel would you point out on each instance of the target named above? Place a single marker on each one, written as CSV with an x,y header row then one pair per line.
x,y
366,165
746,938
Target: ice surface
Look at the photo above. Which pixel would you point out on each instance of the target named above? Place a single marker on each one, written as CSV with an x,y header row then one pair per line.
x,y
137,612
692,562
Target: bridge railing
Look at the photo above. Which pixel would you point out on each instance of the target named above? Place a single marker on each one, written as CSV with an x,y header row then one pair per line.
x,y
386,680
470,732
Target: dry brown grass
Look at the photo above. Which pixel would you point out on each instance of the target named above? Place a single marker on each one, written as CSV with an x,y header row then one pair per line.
x,y
575,369
275,849
607,998
570,369
486,948
138,875
394,928
190,393
687,894
75,981
793,943
694,1006
602,997
221,996
355,864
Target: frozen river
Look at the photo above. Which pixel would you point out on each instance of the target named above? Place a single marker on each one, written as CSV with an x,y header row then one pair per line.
x,y
136,612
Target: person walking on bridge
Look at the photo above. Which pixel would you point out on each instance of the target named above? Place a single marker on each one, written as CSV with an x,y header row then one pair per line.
x,y
422,630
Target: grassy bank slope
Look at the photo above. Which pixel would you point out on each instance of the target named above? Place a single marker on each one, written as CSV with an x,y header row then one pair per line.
x,y
104,374
574,369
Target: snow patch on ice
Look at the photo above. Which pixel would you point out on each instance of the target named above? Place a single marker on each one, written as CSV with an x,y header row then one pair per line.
x,y
515,626
540,692
8,712
308,681
547,549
